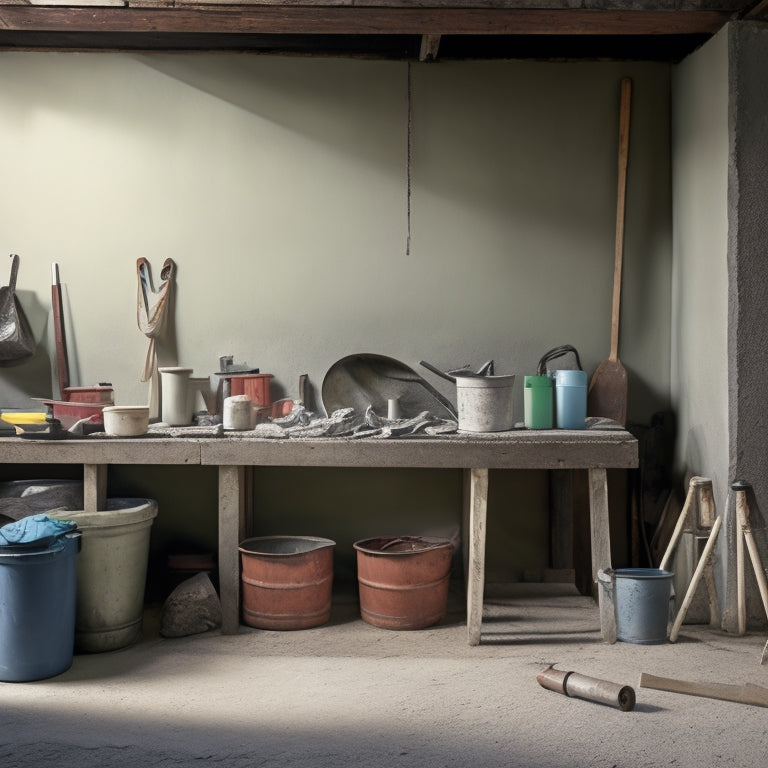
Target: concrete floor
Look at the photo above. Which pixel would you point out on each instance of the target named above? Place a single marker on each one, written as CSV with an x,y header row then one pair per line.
x,y
349,694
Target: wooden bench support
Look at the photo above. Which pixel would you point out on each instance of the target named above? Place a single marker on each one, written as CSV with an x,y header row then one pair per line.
x,y
601,547
94,487
600,445
477,503
231,529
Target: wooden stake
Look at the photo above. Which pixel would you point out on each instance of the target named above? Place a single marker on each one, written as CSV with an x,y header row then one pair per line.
x,y
744,694
742,517
741,596
680,525
754,555
704,563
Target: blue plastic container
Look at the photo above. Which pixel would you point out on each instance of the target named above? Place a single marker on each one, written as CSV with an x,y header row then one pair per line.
x,y
642,600
38,589
571,399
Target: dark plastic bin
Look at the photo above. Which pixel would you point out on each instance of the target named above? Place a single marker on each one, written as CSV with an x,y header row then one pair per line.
x,y
38,590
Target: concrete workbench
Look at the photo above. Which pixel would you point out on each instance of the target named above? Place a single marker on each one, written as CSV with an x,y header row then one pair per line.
x,y
602,446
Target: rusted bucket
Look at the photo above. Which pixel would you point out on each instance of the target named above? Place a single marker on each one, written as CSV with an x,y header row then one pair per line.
x,y
255,385
403,580
287,581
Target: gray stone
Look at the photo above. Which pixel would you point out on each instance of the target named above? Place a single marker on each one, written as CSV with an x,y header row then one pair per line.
x,y
193,607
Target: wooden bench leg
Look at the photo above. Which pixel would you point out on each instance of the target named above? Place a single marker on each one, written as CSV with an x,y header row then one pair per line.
x,y
476,507
231,527
465,526
601,547
94,487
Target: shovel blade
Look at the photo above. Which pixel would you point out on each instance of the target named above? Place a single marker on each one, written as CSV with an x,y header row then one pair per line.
x,y
607,395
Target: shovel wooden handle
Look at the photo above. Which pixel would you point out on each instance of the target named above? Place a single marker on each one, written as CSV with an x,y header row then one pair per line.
x,y
62,362
624,119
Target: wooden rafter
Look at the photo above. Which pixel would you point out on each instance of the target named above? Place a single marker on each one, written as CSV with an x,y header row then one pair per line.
x,y
355,20
758,10
429,47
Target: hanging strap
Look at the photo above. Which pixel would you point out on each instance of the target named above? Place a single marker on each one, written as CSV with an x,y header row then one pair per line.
x,y
151,308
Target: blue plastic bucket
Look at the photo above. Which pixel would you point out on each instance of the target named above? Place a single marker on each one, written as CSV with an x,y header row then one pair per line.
x,y
38,589
642,599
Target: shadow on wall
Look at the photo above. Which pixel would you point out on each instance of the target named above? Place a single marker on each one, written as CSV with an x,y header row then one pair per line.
x,y
284,91
691,450
344,505
644,397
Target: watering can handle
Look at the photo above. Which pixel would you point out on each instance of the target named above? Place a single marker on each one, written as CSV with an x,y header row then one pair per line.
x,y
606,585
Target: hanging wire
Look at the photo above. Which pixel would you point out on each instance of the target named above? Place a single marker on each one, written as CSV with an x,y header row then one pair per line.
x,y
408,166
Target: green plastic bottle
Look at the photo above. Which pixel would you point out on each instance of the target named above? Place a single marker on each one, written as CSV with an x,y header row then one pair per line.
x,y
537,401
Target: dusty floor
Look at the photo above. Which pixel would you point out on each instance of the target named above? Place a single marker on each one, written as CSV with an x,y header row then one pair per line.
x,y
349,694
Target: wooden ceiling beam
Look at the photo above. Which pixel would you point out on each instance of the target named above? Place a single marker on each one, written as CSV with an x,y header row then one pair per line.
x,y
757,11
356,20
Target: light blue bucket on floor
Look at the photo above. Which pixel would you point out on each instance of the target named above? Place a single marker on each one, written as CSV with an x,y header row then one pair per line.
x,y
642,600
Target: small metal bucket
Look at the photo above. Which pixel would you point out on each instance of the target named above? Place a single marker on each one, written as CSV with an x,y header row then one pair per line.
x,y
287,581
485,403
641,601
403,581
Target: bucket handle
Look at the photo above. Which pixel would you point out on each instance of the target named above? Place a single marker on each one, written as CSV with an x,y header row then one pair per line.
x,y
606,580
563,349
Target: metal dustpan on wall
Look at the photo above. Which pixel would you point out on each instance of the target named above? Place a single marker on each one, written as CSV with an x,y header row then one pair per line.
x,y
364,379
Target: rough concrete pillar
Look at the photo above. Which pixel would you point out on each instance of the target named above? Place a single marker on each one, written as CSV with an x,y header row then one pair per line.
x,y
747,298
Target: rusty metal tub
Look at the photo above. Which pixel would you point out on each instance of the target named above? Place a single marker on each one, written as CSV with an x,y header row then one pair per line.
x,y
287,581
404,580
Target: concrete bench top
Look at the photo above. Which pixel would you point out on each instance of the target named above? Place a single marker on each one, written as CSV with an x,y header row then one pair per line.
x,y
601,445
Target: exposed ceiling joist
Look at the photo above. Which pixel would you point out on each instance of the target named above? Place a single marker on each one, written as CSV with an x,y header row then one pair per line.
x,y
357,20
429,47
758,11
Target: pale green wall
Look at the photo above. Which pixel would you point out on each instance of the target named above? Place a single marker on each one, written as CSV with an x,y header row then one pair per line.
x,y
699,363
699,367
280,185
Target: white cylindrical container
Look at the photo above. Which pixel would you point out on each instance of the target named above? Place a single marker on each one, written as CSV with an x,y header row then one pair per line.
x,y
175,405
238,412
485,403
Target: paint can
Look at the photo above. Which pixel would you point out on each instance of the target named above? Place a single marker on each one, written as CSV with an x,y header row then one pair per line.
x,y
238,412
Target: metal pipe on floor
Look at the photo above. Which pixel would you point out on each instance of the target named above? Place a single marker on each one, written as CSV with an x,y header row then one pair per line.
x,y
581,686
